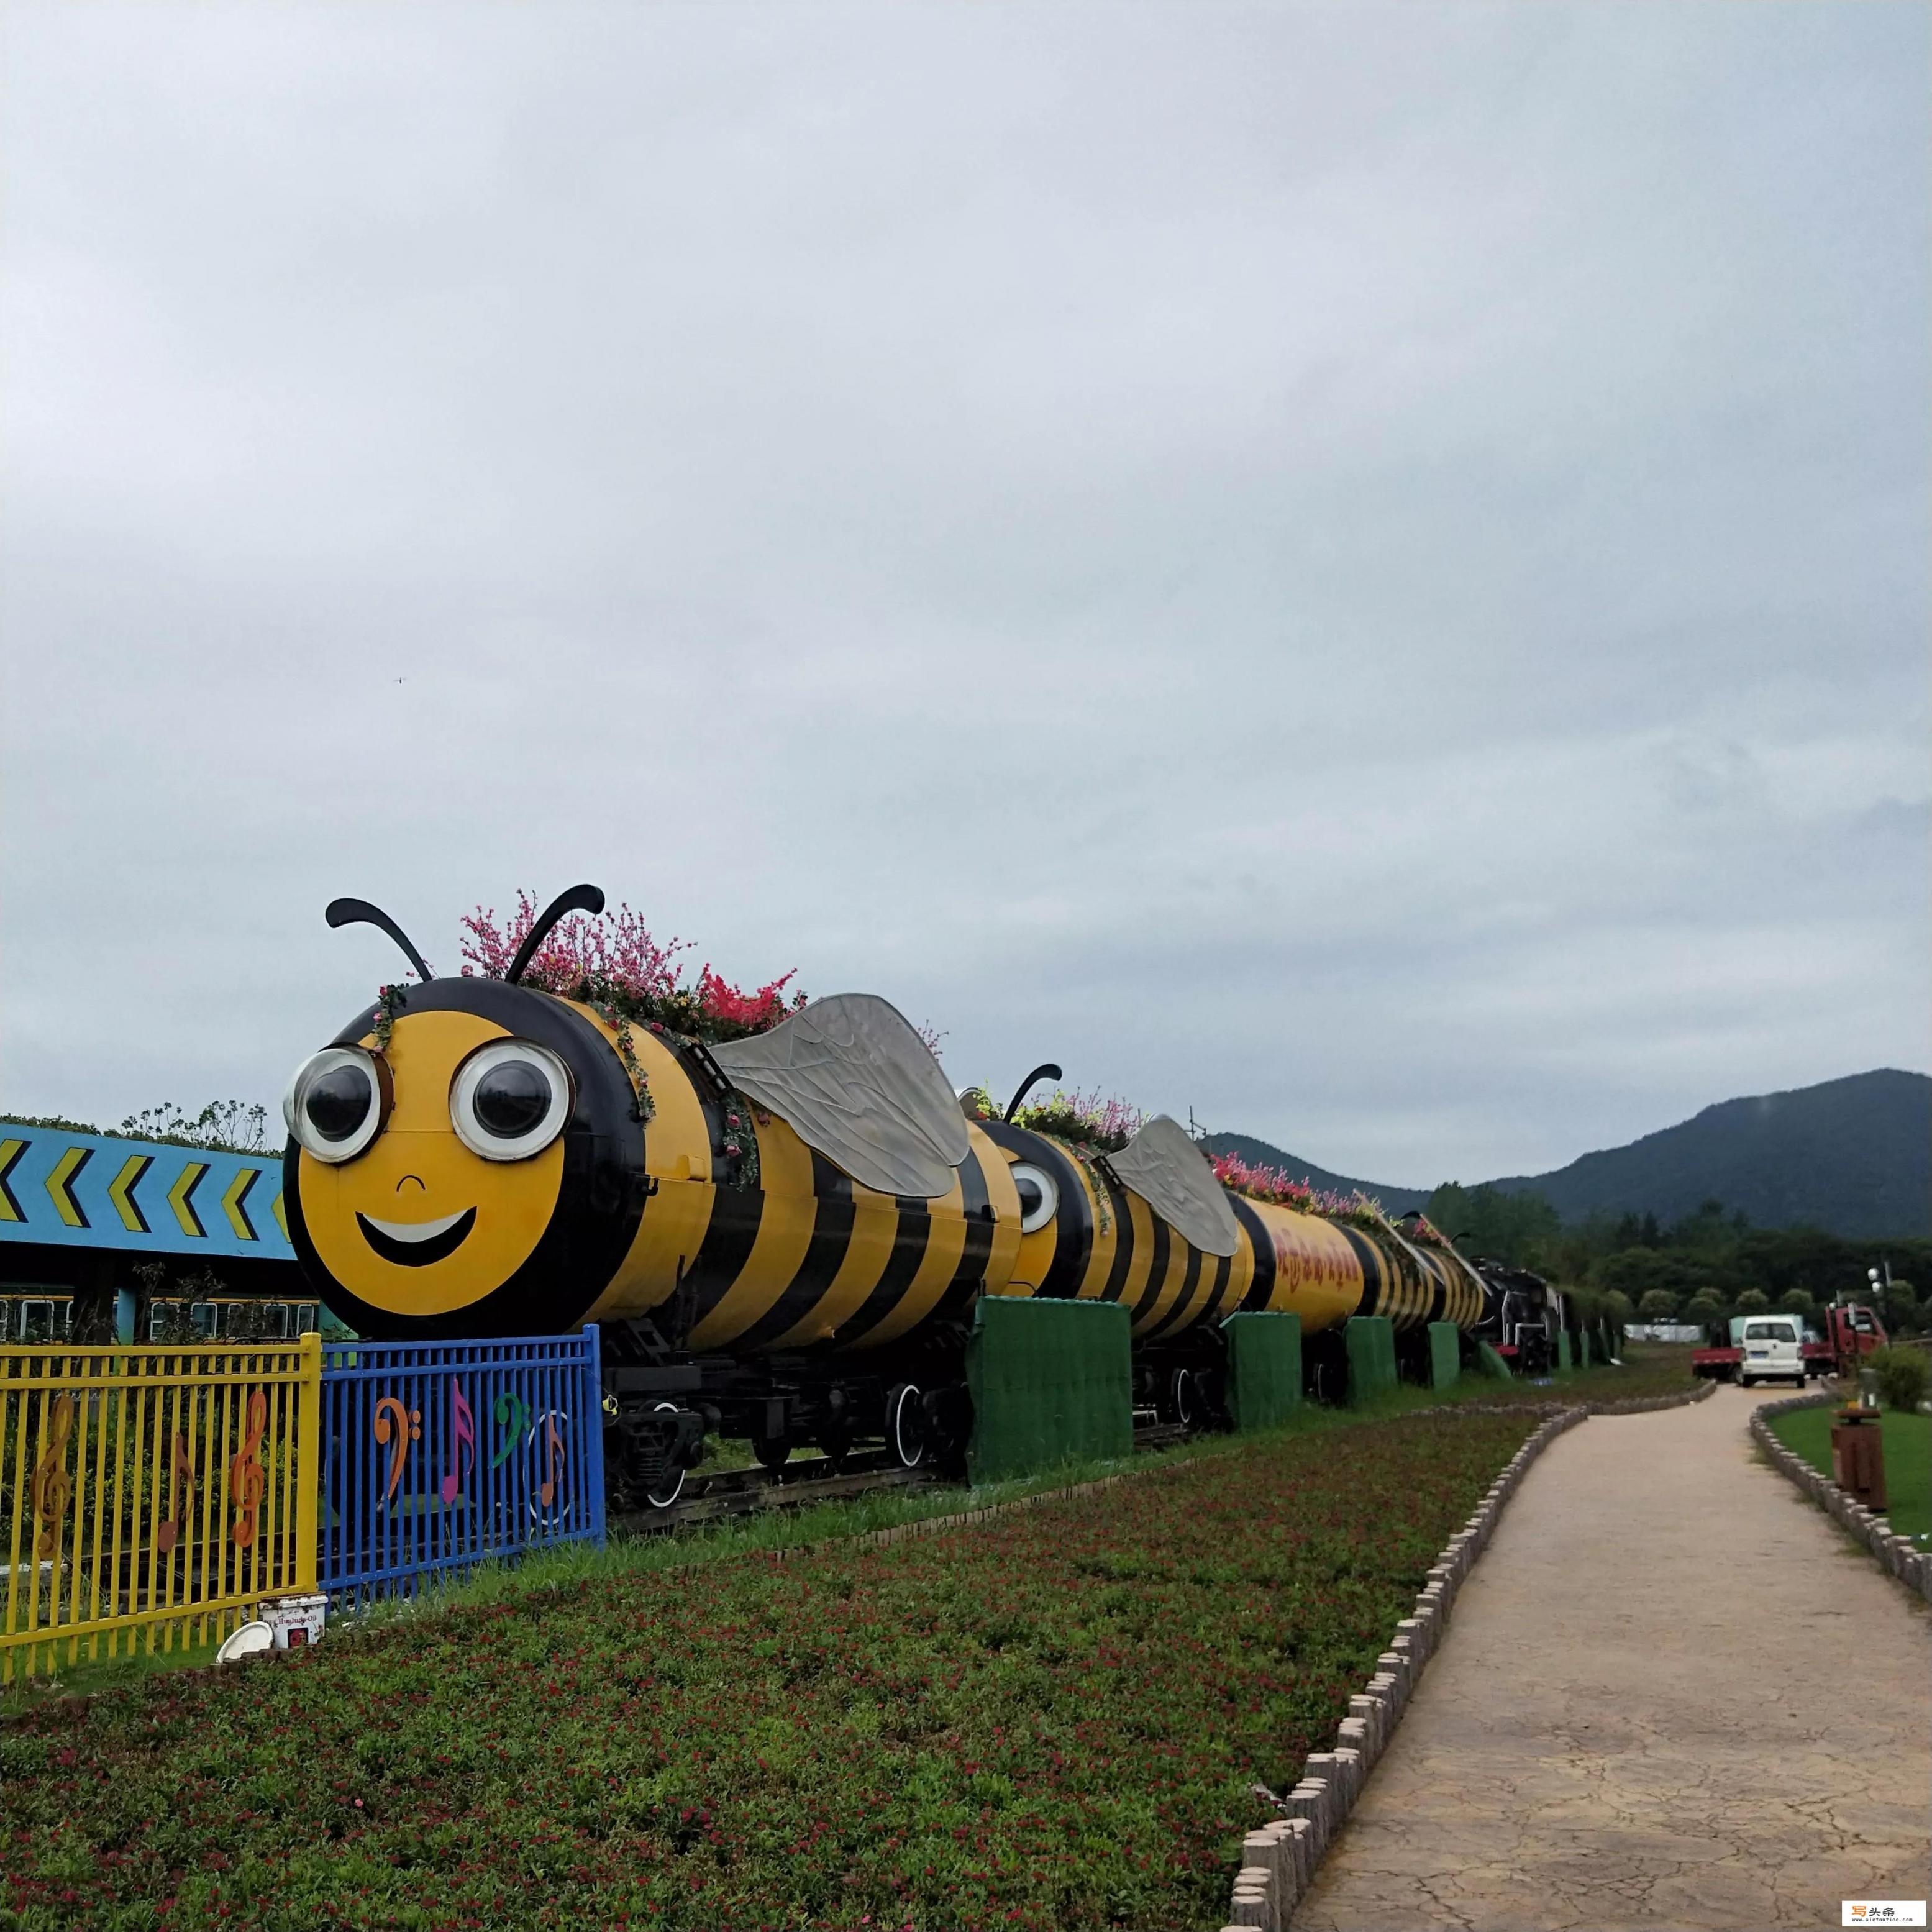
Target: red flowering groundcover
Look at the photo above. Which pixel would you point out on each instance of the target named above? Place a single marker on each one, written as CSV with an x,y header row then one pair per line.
x,y
1052,1720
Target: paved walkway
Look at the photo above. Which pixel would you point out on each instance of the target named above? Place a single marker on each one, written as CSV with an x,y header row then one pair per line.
x,y
1670,1695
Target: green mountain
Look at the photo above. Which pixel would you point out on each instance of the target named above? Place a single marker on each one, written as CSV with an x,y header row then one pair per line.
x,y
1852,1157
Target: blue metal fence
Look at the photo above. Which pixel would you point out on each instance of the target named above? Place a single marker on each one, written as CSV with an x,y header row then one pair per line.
x,y
440,1455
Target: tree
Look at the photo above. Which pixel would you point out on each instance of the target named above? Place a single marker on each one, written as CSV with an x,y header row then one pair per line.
x,y
1618,1304
1519,1229
1752,1301
1659,1305
1703,1306
1901,1306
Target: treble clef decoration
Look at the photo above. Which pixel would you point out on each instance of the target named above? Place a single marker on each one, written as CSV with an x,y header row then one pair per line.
x,y
395,1428
53,1489
247,1482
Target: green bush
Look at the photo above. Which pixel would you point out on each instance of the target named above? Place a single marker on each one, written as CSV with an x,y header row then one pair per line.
x,y
1902,1376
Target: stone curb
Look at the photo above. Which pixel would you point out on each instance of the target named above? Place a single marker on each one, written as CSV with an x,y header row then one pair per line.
x,y
1895,1554
1279,1862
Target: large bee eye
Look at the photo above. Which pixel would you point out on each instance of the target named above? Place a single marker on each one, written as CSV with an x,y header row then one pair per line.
x,y
1039,1199
509,1099
338,1102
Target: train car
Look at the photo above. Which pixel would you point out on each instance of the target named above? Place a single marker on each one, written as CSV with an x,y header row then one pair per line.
x,y
1522,1316
782,1237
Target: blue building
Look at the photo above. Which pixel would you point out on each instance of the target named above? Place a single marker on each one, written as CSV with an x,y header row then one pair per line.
x,y
103,1237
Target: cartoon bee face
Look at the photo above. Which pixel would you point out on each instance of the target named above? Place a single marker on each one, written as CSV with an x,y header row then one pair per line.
x,y
477,1173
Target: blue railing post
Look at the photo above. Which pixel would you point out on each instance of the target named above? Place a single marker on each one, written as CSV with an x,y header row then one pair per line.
x,y
593,1425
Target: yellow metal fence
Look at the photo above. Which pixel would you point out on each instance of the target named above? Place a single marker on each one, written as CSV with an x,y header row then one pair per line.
x,y
152,1497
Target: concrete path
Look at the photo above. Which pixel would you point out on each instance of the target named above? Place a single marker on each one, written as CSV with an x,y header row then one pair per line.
x,y
1671,1695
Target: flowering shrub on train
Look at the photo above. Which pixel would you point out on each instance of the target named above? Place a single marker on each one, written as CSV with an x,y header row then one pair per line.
x,y
1104,1122
613,960
1277,1184
1055,1720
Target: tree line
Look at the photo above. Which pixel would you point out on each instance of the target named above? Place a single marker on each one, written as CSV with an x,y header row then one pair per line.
x,y
1704,1267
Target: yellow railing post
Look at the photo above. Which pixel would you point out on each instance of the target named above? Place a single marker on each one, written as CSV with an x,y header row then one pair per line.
x,y
307,1462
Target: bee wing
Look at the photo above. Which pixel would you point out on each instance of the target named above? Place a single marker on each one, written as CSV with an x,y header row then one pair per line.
x,y
852,1079
1166,1170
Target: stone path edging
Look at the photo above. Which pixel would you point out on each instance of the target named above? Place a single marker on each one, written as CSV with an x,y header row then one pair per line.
x,y
1894,1553
1278,1861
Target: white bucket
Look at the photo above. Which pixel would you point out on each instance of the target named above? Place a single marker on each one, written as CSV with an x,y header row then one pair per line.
x,y
296,1622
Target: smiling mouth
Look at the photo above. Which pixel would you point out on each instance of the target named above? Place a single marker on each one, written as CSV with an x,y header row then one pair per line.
x,y
417,1244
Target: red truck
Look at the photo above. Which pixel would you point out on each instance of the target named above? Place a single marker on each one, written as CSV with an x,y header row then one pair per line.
x,y
1850,1331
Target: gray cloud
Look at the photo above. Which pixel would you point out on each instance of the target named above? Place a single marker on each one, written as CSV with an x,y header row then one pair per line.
x,y
1360,572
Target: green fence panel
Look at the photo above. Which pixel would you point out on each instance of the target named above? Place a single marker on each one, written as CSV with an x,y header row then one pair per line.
x,y
1051,1380
1494,1367
1445,1354
1563,1358
1371,1345
1263,1368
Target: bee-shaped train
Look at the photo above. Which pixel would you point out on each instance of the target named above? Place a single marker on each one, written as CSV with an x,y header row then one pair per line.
x,y
782,1237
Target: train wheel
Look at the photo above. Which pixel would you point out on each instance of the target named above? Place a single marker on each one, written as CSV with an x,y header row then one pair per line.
x,y
905,1426
771,1450
1183,1398
669,1485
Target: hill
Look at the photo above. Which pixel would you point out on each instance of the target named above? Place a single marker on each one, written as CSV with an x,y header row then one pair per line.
x,y
1852,1157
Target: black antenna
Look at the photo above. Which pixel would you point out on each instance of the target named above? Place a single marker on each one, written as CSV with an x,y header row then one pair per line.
x,y
1045,1070
360,912
578,899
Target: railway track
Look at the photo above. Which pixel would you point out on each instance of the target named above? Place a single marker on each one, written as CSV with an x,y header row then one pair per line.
x,y
727,1493
721,1493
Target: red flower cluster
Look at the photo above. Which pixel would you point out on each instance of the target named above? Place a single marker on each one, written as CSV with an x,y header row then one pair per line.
x,y
725,1005
612,961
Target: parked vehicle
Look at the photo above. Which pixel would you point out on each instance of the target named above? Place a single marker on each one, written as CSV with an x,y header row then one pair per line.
x,y
1851,1331
1772,1350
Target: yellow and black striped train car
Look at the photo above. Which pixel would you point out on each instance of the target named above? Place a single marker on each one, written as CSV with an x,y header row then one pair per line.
x,y
484,1158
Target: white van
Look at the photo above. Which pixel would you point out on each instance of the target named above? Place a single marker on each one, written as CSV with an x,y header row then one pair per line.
x,y
1771,1351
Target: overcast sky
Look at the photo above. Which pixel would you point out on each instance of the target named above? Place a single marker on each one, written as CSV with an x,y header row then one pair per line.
x,y
1362,572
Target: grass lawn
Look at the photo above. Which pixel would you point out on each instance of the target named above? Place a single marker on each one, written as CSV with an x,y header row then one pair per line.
x,y
1051,1720
1648,1368
1908,1462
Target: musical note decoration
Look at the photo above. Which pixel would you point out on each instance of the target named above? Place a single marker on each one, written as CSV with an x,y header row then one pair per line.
x,y
555,1454
53,1488
248,1481
168,1533
512,1412
462,1430
395,1428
